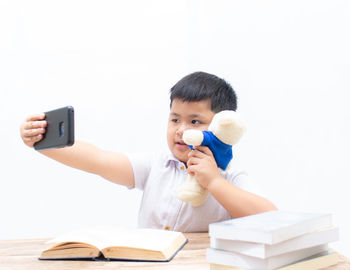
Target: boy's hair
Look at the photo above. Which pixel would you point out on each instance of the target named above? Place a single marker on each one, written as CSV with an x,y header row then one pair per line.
x,y
200,86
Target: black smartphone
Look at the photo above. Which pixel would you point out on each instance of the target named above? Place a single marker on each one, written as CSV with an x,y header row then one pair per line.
x,y
59,130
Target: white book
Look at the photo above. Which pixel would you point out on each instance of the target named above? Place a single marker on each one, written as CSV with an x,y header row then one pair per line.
x,y
260,250
315,262
215,256
270,227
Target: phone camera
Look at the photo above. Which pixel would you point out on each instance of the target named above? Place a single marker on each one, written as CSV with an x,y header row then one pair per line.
x,y
61,129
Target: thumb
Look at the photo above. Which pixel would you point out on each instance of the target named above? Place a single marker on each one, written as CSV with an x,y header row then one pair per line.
x,y
191,170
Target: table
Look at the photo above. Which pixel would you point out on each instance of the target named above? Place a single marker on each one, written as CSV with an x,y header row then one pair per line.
x,y
23,255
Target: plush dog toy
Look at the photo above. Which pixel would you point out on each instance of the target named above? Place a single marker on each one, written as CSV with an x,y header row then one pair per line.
x,y
224,131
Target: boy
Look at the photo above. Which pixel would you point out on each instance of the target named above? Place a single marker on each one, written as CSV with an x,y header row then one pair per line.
x,y
194,101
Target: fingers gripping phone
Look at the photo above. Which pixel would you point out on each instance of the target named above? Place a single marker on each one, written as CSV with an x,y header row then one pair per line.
x,y
59,130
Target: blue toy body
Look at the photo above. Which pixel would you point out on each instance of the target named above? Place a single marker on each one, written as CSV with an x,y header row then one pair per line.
x,y
222,152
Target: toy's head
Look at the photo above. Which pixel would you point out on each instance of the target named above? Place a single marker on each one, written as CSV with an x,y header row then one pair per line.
x,y
227,126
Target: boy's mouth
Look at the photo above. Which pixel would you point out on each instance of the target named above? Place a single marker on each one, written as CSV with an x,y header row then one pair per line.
x,y
181,144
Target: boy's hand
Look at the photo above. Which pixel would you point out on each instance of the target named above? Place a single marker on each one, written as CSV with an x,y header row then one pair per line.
x,y
202,165
33,128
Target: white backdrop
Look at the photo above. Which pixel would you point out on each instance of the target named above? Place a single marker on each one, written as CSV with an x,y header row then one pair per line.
x,y
115,61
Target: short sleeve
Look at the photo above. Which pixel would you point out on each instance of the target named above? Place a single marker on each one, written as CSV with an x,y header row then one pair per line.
x,y
141,164
243,181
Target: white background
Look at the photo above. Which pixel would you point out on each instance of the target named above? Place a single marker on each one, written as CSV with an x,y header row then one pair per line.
x,y
115,61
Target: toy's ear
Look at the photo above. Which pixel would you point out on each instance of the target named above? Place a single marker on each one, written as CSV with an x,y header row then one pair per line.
x,y
227,126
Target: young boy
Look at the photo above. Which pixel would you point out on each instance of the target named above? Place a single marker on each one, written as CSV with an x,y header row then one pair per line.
x,y
194,101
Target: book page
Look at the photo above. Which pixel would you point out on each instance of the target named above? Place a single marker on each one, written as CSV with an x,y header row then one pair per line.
x,y
108,236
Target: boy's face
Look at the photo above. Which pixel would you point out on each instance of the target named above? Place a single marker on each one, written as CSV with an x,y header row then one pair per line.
x,y
183,116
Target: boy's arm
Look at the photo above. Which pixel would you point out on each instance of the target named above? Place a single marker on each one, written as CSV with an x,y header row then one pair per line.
x,y
112,166
115,167
236,201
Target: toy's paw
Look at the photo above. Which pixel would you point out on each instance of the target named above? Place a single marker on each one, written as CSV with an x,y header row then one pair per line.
x,y
200,199
193,137
187,195
194,198
191,192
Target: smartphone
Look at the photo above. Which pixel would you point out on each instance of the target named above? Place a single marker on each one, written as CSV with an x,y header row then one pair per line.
x,y
59,130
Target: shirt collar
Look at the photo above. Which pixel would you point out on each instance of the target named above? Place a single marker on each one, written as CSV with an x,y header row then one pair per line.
x,y
170,158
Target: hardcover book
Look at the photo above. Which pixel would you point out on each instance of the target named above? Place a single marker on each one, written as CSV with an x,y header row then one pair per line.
x,y
115,243
319,261
270,227
261,250
216,256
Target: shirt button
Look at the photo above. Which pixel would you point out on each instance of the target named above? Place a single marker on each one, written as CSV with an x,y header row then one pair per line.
x,y
167,228
182,167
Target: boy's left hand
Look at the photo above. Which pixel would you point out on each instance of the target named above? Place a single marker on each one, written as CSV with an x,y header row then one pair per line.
x,y
202,165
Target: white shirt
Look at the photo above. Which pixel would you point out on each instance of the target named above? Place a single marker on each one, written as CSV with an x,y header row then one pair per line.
x,y
160,176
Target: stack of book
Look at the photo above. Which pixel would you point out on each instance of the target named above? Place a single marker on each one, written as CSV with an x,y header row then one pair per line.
x,y
273,240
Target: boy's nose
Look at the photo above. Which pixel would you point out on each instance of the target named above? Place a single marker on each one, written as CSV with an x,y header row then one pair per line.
x,y
181,129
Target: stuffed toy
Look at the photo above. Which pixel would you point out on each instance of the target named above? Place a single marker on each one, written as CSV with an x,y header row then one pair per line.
x,y
225,130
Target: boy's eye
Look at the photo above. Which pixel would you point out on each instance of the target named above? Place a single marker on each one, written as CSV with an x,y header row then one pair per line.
x,y
175,120
195,122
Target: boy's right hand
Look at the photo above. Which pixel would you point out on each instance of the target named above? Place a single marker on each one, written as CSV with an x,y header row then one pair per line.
x,y
33,128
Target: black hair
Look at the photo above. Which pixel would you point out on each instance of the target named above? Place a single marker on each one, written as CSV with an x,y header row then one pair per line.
x,y
200,86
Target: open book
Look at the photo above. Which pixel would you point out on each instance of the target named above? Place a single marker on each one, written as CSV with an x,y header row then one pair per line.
x,y
115,243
